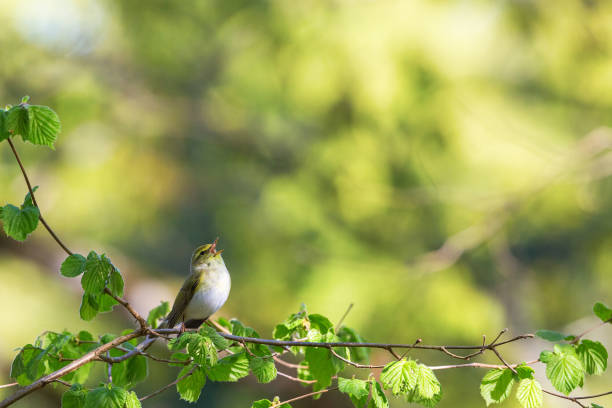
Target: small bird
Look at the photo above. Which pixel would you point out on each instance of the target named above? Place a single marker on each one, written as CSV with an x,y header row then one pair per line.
x,y
204,291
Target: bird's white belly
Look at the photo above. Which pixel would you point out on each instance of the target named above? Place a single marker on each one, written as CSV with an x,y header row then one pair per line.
x,y
209,299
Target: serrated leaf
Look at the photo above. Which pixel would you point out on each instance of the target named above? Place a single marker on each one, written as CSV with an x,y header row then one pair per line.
x,y
320,364
18,120
130,372
19,222
229,369
158,313
357,390
263,368
529,393
524,371
74,397
4,133
320,322
44,126
593,355
107,396
89,307
190,387
379,399
97,271
496,385
399,376
220,342
550,335
594,405
564,369
602,311
73,265
426,382
115,283
132,401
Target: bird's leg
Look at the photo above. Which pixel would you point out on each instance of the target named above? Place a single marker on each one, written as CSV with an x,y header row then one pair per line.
x,y
182,328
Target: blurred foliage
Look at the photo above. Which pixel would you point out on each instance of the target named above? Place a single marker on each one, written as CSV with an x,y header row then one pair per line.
x,y
330,145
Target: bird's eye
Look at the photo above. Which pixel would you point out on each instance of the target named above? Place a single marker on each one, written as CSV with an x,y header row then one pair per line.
x,y
202,253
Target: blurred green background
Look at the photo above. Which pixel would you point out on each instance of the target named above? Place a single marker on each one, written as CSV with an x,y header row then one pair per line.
x,y
443,165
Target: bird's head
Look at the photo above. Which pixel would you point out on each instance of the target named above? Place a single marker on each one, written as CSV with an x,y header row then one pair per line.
x,y
206,254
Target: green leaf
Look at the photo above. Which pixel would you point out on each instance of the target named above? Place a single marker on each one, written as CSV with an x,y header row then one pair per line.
x,y
320,323
321,365
602,311
130,372
550,335
44,126
399,376
529,393
74,397
73,266
524,371
220,342
107,396
264,403
28,365
158,313
426,382
132,401
564,369
89,307
229,369
496,385
190,387
115,283
18,120
263,368
4,133
357,390
19,222
379,399
594,405
593,355
97,271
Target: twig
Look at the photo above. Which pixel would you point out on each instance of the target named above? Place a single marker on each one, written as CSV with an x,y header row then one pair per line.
x,y
587,331
9,385
289,377
573,399
27,180
347,361
478,365
310,394
343,317
141,321
164,388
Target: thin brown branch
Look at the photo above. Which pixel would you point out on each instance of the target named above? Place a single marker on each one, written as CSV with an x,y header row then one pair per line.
x,y
141,321
573,399
164,388
587,331
479,365
42,220
503,361
76,364
310,394
384,346
296,379
287,364
9,385
347,361
343,317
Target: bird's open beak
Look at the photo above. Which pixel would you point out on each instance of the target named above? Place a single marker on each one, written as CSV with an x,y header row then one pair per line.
x,y
213,247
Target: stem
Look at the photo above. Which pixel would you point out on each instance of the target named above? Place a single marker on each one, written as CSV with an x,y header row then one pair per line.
x,y
164,388
27,180
303,396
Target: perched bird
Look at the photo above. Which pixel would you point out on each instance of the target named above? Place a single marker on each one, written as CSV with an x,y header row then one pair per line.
x,y
204,291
